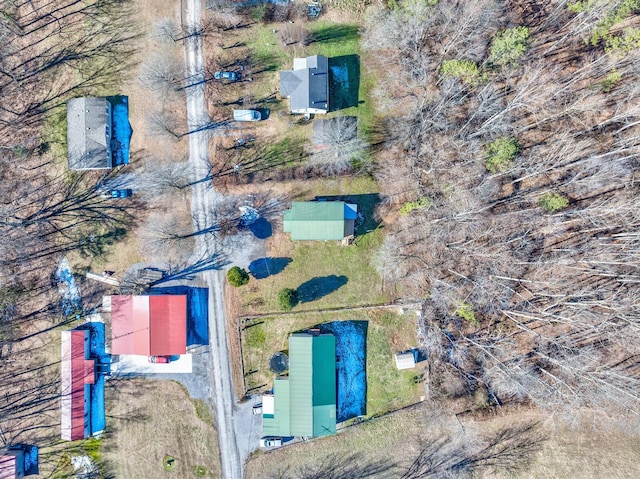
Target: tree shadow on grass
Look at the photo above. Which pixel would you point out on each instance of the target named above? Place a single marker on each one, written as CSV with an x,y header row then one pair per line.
x,y
340,466
261,228
335,33
189,271
273,154
265,62
510,449
344,82
264,267
316,288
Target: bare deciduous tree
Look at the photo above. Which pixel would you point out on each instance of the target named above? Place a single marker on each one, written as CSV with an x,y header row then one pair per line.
x,y
534,306
338,148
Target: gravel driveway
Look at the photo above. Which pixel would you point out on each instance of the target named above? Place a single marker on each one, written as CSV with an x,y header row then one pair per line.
x,y
203,208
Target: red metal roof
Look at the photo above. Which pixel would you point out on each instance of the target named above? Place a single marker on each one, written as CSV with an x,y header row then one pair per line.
x,y
11,464
149,325
76,372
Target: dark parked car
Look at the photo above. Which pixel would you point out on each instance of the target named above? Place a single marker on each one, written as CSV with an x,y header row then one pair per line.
x,y
231,76
124,193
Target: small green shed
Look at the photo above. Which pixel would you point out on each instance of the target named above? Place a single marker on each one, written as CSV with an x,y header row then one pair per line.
x,y
304,404
320,220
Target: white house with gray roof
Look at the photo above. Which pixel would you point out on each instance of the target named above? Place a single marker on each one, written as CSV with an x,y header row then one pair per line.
x,y
98,132
307,85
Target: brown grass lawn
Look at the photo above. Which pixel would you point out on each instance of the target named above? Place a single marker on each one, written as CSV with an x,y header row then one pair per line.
x,y
141,100
584,452
146,150
151,419
387,333
147,419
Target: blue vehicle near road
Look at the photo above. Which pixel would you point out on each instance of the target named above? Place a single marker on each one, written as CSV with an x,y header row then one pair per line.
x,y
231,76
123,193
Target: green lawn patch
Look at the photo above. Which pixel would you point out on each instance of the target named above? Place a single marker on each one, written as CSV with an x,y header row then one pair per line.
x,y
333,39
203,411
387,388
266,52
314,264
274,154
327,274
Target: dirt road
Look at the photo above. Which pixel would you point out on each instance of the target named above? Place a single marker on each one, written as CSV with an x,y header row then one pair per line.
x,y
203,208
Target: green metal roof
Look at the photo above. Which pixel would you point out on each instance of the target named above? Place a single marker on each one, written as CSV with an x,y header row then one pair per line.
x,y
306,406
300,377
278,423
324,385
316,220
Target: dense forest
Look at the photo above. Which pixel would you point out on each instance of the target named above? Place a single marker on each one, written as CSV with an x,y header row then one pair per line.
x,y
510,155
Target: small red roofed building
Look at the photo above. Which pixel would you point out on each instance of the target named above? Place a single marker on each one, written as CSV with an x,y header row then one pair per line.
x,y
77,374
11,464
149,325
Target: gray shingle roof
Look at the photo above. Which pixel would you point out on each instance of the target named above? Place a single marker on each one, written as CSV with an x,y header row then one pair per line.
x,y
88,135
307,87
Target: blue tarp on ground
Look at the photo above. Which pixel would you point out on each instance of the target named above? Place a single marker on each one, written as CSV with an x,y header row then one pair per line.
x,y
351,349
97,390
197,311
71,301
121,129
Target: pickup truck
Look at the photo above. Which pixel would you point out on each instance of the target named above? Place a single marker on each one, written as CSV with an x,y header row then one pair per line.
x,y
246,115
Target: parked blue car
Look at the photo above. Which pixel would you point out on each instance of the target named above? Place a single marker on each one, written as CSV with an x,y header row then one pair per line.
x,y
231,76
124,193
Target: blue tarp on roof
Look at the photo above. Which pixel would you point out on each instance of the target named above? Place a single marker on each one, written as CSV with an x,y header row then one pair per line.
x,y
121,129
98,352
350,211
351,350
